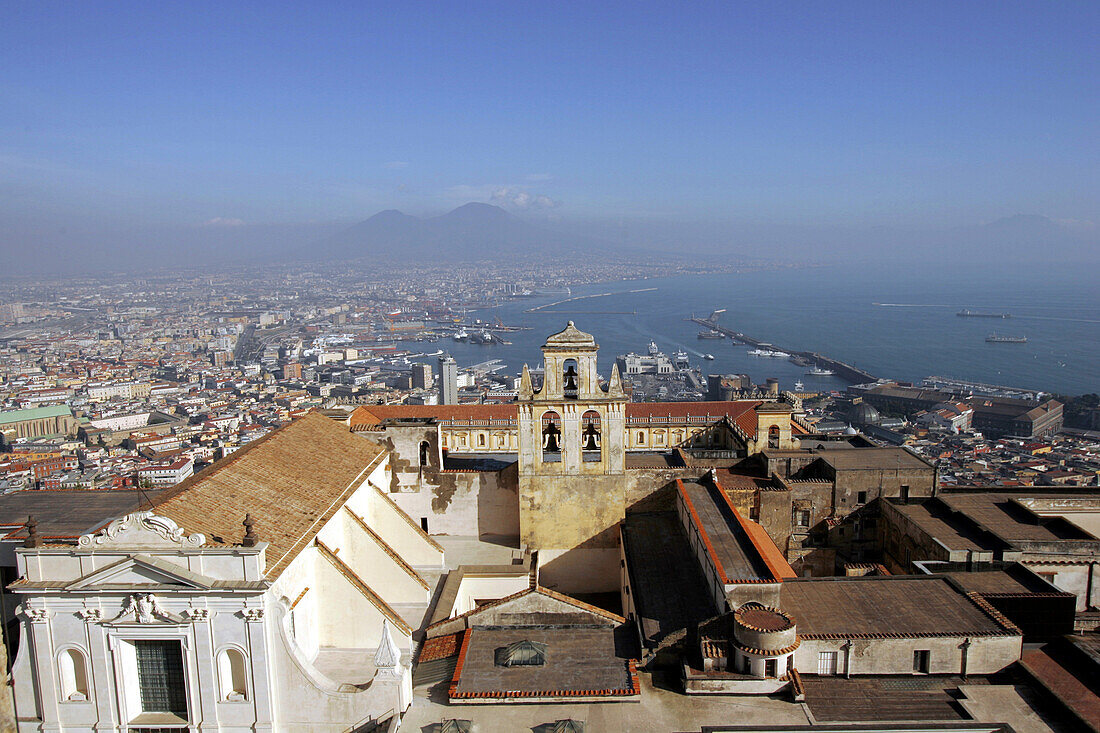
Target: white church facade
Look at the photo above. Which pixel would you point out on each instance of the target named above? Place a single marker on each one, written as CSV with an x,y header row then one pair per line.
x,y
192,617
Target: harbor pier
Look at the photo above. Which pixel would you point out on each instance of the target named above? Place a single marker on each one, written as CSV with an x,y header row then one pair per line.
x,y
847,372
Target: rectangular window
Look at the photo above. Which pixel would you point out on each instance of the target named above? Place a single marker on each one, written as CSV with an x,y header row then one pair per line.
x,y
904,492
826,662
160,677
920,660
802,517
861,497
770,668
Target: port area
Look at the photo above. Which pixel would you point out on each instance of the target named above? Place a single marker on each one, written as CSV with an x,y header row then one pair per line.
x,y
846,372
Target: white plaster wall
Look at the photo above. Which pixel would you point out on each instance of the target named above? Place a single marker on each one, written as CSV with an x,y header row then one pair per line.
x,y
345,618
372,564
580,570
987,654
1072,579
482,587
396,531
308,701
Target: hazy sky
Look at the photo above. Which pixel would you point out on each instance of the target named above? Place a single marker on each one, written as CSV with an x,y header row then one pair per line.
x,y
830,113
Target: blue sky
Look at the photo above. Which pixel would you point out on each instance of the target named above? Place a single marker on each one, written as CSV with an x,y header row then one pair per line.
x,y
810,113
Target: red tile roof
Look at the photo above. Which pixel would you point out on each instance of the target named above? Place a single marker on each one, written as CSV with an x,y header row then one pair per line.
x,y
742,412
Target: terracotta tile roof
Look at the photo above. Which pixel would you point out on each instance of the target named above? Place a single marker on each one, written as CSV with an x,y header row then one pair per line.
x,y
743,412
292,481
374,414
441,647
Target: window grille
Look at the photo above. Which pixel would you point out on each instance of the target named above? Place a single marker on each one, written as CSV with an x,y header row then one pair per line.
x,y
160,677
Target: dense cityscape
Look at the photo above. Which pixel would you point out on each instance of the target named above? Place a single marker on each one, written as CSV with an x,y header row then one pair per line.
x,y
593,367
111,383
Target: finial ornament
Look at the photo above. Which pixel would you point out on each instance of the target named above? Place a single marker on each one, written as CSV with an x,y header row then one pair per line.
x,y
33,538
249,536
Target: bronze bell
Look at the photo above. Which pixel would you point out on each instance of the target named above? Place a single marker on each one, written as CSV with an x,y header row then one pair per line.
x,y
571,378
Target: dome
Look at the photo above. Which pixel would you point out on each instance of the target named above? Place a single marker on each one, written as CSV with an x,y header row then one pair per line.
x,y
863,413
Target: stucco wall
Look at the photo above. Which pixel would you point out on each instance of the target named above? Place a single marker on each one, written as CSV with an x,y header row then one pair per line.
x,y
464,503
986,655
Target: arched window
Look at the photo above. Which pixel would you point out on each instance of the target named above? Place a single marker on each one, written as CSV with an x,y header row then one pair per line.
x,y
424,451
569,376
232,675
73,675
641,437
551,434
773,436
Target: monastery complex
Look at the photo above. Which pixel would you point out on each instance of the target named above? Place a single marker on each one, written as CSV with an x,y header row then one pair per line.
x,y
491,567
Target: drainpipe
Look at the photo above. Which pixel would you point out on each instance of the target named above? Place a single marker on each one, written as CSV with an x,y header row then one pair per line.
x,y
965,646
847,658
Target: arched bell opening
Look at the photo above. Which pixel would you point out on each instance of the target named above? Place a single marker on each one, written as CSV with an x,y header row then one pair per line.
x,y
773,436
551,437
569,379
591,435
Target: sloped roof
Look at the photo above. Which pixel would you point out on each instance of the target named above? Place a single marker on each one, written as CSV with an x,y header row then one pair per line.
x,y
34,413
292,481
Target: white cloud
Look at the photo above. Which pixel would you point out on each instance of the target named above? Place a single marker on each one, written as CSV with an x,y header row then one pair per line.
x,y
221,221
521,200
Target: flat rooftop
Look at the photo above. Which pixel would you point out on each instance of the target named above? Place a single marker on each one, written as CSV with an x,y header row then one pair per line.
x,y
871,459
1014,579
669,589
1010,521
70,513
884,606
940,524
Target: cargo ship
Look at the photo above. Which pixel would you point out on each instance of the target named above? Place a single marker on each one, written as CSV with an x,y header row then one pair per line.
x,y
965,313
995,339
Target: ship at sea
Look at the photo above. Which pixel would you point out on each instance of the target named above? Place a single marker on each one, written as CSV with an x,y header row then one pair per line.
x,y
966,313
711,334
995,339
820,372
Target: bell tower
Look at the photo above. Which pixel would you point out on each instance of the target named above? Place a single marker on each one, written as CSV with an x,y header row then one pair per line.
x,y
572,461
572,425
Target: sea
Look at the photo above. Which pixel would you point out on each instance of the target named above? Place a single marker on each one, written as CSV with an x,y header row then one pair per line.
x,y
897,323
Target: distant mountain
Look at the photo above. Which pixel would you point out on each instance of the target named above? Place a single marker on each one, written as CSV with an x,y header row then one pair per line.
x,y
472,232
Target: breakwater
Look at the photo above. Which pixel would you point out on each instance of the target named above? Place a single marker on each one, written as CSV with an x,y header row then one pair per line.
x,y
845,371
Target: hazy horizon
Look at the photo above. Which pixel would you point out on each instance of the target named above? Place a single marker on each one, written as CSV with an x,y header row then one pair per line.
x,y
135,133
